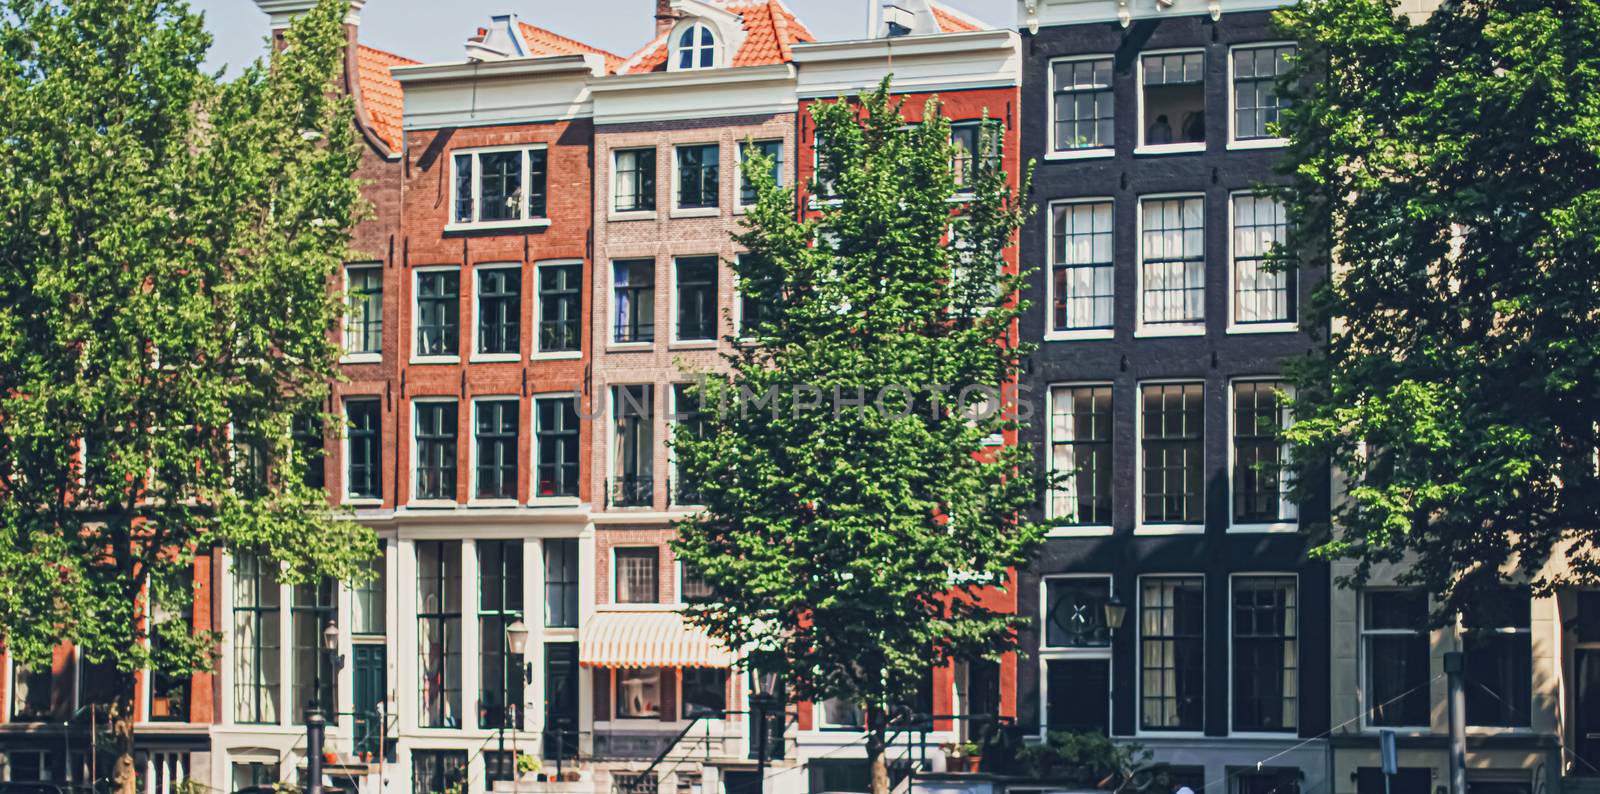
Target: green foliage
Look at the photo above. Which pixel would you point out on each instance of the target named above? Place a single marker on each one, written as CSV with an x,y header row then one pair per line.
x,y
1090,759
166,246
1454,169
527,764
847,548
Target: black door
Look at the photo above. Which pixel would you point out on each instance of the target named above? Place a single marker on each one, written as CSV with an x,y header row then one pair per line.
x,y
371,684
1587,662
1079,695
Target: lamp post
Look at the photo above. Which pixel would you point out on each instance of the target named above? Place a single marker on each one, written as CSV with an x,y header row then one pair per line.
x,y
517,645
763,699
316,723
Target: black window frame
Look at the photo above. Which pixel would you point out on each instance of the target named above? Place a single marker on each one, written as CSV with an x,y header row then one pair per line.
x,y
1254,630
364,448
642,198
1098,88
500,602
976,147
438,306
257,701
1099,473
1395,664
1185,506
439,626
437,771
1260,476
499,313
1267,105
1191,71
560,302
648,595
695,298
363,309
710,684
311,608
640,326
557,457
634,462
496,430
1074,612
1178,646
1100,300
772,148
699,172
436,434
561,582
1497,641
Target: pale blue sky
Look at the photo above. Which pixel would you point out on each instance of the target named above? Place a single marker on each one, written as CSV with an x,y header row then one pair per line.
x,y
434,30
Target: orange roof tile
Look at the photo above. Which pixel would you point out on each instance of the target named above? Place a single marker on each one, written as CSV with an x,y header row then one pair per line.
x,y
953,21
770,30
546,42
381,96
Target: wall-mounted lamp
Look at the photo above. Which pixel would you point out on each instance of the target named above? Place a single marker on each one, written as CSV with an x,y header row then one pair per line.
x,y
517,643
1116,613
330,643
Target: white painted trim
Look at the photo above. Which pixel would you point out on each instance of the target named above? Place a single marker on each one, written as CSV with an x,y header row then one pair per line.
x,y
416,314
1165,329
534,499
1082,154
1053,153
476,400
1234,326
1233,119
411,458
1141,527
903,46
1138,654
1052,13
344,440
676,209
1299,693
1049,453
526,217
1140,147
673,341
1363,679
1286,524
565,65
474,355
1051,333
614,214
1046,654
538,310
1079,532
719,48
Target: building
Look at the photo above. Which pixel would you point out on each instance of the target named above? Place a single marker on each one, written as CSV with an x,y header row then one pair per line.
x,y
1175,603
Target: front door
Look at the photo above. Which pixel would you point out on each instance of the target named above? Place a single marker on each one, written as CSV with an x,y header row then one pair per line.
x,y
1587,662
371,684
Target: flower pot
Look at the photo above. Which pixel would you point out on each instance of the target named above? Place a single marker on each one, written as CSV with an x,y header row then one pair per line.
x,y
973,762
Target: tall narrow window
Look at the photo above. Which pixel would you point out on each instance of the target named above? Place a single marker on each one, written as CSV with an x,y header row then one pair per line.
x,y
1261,482
556,446
256,640
634,464
363,326
699,176
636,180
495,437
30,693
499,310
773,150
638,575
368,600
686,411
1085,106
308,438
561,583
499,604
364,466
634,281
1174,98
1266,657
560,307
1498,640
1082,266
1172,680
1081,451
312,610
169,692
977,152
1173,443
1264,282
1256,102
439,632
1394,651
436,450
438,312
697,297
1173,273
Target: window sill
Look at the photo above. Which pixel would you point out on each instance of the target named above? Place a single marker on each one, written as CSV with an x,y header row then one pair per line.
x,y
1276,527
1170,148
482,504
1157,733
1400,731
556,355
1264,328
1078,335
1275,735
359,503
361,358
1147,332
481,226
623,216
554,501
433,504
696,212
1079,532
435,360
626,347
1170,529
1258,143
692,344
1098,153
494,358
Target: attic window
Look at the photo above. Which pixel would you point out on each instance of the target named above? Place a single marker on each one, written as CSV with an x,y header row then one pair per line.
x,y
696,47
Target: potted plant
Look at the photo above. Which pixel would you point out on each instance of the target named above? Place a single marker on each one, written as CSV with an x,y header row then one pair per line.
x,y
972,753
527,764
1083,760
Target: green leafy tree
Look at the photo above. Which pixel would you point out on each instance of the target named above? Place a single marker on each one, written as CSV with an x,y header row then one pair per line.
x,y
166,248
847,544
1453,170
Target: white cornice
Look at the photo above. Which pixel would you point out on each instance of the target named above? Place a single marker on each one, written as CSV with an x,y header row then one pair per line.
x,y
905,46
1033,14
694,94
550,66
512,91
939,62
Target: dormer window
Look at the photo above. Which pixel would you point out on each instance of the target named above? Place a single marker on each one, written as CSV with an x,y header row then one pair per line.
x,y
696,46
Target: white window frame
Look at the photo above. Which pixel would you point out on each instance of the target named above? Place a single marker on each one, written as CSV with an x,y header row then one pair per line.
x,y
674,341
475,355
534,499
675,189
1284,503
611,203
616,572
527,220
411,455
675,49
1233,121
1141,527
473,500
611,302
1080,154
463,290
1169,329
739,205
1363,673
538,312
1046,653
1140,147
1299,608
611,445
346,356
1073,531
1051,333
1234,327
1137,613
345,498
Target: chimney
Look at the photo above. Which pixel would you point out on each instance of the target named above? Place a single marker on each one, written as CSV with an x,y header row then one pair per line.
x,y
665,17
280,12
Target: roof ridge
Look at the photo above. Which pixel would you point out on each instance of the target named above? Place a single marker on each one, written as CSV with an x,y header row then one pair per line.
x,y
612,59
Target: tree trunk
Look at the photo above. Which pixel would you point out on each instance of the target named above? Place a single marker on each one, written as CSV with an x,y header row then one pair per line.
x,y
125,775
877,749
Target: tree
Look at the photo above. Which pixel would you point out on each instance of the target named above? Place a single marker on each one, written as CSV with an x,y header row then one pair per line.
x,y
1453,170
166,248
848,544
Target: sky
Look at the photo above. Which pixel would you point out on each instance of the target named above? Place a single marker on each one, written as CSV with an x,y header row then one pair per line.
x,y
435,30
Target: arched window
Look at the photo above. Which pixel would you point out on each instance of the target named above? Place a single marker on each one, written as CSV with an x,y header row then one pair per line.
x,y
697,47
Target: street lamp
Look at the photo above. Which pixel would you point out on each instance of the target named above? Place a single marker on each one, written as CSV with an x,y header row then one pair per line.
x,y
763,700
1116,613
316,723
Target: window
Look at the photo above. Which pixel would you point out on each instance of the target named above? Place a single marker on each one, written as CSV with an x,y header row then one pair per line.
x,y
307,434
687,411
496,439
1173,261
1266,663
560,307
556,447
1260,480
312,609
1498,643
1085,105
771,149
560,700
439,632
753,309
638,575
499,310
1082,266
1256,103
363,323
697,297
1172,641
1264,282
696,47
841,714
561,583
635,450
1080,450
977,152
169,693
635,180
1394,651
498,766
705,692
634,281
1269,781
1172,426
695,589
368,600
363,450
252,774
1174,88
255,640
30,693
500,186
638,693
698,176
438,312
1074,612
436,450
435,771
1078,694
499,604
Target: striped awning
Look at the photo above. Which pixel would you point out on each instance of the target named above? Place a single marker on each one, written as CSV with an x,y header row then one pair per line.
x,y
647,639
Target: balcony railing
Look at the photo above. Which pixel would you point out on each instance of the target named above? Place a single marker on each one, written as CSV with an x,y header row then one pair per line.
x,y
637,490
635,332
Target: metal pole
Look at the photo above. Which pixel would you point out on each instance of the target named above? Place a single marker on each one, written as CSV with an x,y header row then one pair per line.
x,y
315,725
760,704
1456,705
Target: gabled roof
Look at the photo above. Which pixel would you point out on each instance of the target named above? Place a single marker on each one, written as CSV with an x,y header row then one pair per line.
x,y
545,42
770,29
381,97
953,21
